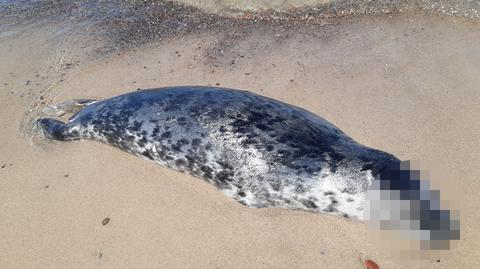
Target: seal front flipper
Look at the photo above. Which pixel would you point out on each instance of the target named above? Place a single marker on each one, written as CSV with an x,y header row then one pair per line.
x,y
57,130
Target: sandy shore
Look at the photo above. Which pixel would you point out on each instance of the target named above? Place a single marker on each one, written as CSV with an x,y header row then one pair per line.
x,y
407,84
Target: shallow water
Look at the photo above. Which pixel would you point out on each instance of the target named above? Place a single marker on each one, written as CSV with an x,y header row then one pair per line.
x,y
280,8
467,8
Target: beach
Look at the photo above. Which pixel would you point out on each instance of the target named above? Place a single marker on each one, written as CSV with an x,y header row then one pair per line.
x,y
407,83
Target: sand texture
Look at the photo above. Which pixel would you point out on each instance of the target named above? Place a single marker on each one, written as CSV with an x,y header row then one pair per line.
x,y
408,84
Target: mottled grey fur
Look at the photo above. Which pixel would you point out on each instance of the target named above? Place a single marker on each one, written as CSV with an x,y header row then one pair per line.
x,y
261,152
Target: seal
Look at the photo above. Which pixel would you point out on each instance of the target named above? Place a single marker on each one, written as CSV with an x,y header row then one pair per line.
x,y
259,151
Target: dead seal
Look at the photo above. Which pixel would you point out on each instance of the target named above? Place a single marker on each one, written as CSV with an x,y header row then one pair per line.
x,y
259,151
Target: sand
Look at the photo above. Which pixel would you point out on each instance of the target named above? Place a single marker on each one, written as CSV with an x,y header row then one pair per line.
x,y
407,84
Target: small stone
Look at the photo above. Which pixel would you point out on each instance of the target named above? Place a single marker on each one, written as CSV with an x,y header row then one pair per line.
x,y
218,84
105,221
65,175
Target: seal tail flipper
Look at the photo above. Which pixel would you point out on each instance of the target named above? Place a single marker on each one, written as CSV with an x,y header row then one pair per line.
x,y
69,106
55,129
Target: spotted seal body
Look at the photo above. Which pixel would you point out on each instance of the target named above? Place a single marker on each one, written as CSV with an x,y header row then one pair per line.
x,y
261,152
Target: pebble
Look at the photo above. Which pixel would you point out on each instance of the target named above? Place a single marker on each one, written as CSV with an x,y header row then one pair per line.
x,y
105,221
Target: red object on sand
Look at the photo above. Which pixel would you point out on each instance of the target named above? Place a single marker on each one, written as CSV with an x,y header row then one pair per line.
x,y
369,264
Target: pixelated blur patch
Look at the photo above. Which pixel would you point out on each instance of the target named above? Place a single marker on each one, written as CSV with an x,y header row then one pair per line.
x,y
402,205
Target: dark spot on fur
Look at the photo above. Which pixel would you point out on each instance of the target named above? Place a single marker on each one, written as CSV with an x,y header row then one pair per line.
x,y
155,131
136,126
330,209
241,193
276,185
183,141
346,190
180,143
300,189
328,193
225,165
309,204
147,154
182,121
180,162
167,134
142,142
283,153
208,146
224,176
263,127
196,142
247,142
207,171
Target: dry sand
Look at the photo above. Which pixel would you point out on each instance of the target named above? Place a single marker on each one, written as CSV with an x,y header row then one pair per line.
x,y
407,84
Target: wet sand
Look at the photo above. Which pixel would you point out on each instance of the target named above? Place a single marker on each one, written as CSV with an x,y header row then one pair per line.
x,y
407,84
